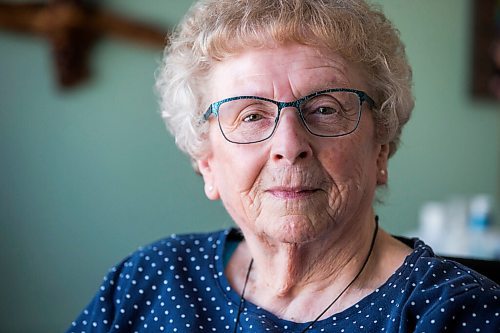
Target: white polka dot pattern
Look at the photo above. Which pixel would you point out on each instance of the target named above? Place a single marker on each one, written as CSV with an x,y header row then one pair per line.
x,y
178,285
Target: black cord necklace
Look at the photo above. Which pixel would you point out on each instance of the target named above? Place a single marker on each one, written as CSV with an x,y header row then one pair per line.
x,y
242,298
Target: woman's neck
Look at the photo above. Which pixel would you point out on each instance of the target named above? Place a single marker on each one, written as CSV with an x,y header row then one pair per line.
x,y
284,268
291,280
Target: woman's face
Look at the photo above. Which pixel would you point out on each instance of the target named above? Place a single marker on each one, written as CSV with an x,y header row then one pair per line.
x,y
293,187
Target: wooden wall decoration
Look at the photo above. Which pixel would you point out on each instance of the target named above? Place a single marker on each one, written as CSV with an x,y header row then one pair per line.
x,y
73,27
486,49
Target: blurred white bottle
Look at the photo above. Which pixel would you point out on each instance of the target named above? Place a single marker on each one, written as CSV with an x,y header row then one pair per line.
x,y
432,225
456,238
482,239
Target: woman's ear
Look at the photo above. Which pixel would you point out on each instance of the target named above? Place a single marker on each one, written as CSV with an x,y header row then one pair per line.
x,y
205,167
383,157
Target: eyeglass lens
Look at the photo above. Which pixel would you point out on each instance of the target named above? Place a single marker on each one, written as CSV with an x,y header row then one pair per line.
x,y
247,120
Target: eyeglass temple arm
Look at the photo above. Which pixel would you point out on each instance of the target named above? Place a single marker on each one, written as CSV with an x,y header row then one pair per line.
x,y
209,111
365,98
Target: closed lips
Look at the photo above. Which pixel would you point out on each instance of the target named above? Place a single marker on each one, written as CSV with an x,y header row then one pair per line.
x,y
292,192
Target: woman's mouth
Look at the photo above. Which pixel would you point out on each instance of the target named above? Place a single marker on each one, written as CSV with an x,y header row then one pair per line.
x,y
292,192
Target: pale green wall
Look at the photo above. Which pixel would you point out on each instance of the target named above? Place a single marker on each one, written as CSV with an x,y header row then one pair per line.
x,y
451,145
88,176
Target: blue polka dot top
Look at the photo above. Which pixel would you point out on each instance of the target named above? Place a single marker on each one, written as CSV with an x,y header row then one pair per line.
x,y
178,285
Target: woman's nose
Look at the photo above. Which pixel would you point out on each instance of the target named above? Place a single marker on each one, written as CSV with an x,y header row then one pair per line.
x,y
291,140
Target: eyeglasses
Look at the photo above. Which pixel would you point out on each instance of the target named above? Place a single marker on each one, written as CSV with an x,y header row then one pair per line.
x,y
326,113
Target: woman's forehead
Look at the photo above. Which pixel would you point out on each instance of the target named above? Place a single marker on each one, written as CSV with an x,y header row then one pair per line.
x,y
261,71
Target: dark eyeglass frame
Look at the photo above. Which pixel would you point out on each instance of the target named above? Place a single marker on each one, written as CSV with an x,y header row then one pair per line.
x,y
213,109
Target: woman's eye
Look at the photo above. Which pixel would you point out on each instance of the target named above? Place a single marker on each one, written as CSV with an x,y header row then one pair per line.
x,y
324,110
252,117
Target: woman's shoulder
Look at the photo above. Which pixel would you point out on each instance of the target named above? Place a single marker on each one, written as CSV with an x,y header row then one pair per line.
x,y
177,248
431,282
431,270
141,282
432,293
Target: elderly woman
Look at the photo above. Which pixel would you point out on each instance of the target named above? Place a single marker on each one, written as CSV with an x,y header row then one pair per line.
x,y
289,110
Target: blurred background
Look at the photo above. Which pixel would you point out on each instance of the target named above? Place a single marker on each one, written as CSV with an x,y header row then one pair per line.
x,y
89,174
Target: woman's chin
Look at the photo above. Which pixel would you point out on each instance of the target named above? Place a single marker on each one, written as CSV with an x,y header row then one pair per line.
x,y
293,229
